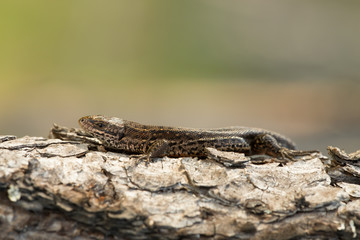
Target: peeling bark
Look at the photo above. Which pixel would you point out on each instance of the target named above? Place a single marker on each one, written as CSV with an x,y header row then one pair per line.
x,y
63,189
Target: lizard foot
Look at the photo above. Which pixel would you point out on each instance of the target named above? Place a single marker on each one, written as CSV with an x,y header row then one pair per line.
x,y
141,158
292,154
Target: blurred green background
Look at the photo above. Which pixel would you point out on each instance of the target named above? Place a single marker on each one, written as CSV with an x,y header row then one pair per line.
x,y
288,66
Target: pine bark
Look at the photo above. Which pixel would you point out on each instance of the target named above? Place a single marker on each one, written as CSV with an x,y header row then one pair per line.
x,y
56,189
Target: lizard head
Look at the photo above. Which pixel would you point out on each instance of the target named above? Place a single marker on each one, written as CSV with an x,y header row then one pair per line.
x,y
106,129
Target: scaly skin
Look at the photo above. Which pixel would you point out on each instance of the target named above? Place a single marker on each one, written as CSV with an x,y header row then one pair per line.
x,y
160,141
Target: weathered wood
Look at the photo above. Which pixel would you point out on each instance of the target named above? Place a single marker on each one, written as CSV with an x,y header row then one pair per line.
x,y
60,189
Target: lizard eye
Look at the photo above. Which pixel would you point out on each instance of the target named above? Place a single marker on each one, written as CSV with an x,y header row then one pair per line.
x,y
100,125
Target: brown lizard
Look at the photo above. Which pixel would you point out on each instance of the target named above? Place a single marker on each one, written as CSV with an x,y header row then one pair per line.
x,y
159,141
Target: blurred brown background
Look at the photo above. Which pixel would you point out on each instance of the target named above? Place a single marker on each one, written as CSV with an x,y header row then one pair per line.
x,y
288,66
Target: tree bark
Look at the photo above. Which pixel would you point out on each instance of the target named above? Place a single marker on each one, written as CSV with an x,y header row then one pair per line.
x,y
59,189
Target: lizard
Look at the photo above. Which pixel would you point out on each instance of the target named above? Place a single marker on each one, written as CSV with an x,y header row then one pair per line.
x,y
160,141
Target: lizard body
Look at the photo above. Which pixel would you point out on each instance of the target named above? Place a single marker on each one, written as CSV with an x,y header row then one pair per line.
x,y
160,141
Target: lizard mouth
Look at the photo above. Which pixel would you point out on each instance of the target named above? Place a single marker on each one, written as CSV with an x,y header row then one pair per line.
x,y
84,122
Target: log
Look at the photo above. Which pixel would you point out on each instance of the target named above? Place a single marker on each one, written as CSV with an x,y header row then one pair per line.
x,y
66,189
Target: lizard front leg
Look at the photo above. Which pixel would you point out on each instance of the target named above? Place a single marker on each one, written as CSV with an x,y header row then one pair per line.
x,y
267,144
156,149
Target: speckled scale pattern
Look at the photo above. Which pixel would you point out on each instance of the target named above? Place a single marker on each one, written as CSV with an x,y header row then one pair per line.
x,y
133,137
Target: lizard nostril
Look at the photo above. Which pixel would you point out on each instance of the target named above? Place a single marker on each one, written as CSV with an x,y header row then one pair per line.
x,y
82,120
